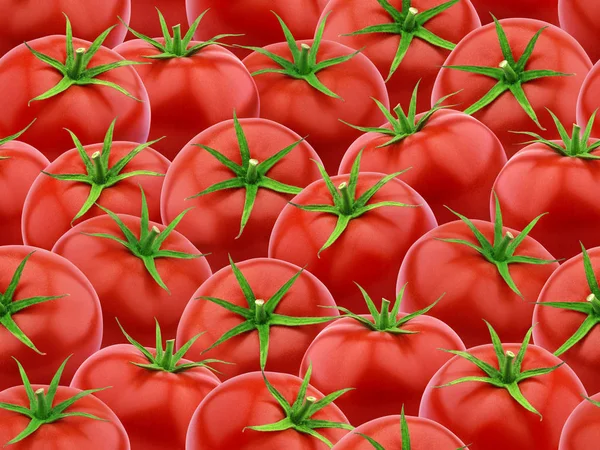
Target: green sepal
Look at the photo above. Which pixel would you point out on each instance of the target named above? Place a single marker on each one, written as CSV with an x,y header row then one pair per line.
x,y
13,137
593,402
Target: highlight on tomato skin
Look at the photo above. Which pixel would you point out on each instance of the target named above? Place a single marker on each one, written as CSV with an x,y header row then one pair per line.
x,y
581,427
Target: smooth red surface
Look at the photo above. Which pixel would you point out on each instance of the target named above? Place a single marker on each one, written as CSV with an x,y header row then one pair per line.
x,y
17,174
546,10
144,18
286,344
244,401
588,100
370,250
488,418
72,433
297,105
386,370
214,223
189,94
58,328
473,287
581,19
582,426
423,60
62,200
155,407
453,163
555,50
85,110
125,288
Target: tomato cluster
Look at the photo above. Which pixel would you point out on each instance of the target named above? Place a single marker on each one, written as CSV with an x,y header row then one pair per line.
x,y
299,225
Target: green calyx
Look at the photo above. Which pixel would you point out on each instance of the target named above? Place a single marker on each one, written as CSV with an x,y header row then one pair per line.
x,y
509,374
175,46
409,23
510,74
13,137
99,175
345,204
148,246
75,69
501,252
41,410
260,314
251,175
593,402
9,306
298,416
304,65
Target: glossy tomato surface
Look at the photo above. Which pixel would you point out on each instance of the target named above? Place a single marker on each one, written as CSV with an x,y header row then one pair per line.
x,y
144,18
17,174
422,62
582,427
386,370
286,344
203,89
453,160
588,100
85,110
555,50
216,425
488,418
62,200
125,288
155,407
580,18
546,10
473,287
370,250
58,328
214,223
297,105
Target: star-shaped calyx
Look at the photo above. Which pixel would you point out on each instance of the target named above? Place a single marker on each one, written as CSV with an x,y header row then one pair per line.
x,y
13,137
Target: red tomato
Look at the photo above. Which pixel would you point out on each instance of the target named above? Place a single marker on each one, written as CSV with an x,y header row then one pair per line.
x,y
555,50
582,428
24,21
588,99
218,425
422,61
546,10
579,18
143,16
71,324
254,20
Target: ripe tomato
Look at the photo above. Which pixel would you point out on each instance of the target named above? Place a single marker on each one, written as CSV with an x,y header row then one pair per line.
x,y
254,20
63,318
403,47
29,20
579,18
214,223
516,95
143,16
546,10
265,280
582,426
588,99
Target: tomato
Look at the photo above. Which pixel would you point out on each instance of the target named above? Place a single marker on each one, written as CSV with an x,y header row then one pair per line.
x,y
546,10
31,88
516,95
64,319
143,16
29,20
254,20
242,413
265,280
579,18
218,218
190,107
418,59
310,85
588,99
582,426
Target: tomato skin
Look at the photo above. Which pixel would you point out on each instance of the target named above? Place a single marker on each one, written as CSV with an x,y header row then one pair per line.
x,y
582,426
155,407
62,200
309,112
144,18
454,161
369,252
125,288
424,435
29,20
189,107
58,328
71,433
214,223
23,77
422,61
555,184
546,10
588,99
255,20
559,94
579,18
17,174
265,277
488,418
216,425
347,353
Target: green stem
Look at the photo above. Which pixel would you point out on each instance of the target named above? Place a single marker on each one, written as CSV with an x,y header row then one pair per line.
x,y
177,44
410,20
575,147
42,407
384,316
595,303
252,173
303,65
347,201
302,414
3,308
78,67
507,369
260,315
500,251
147,244
100,173
509,73
167,360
